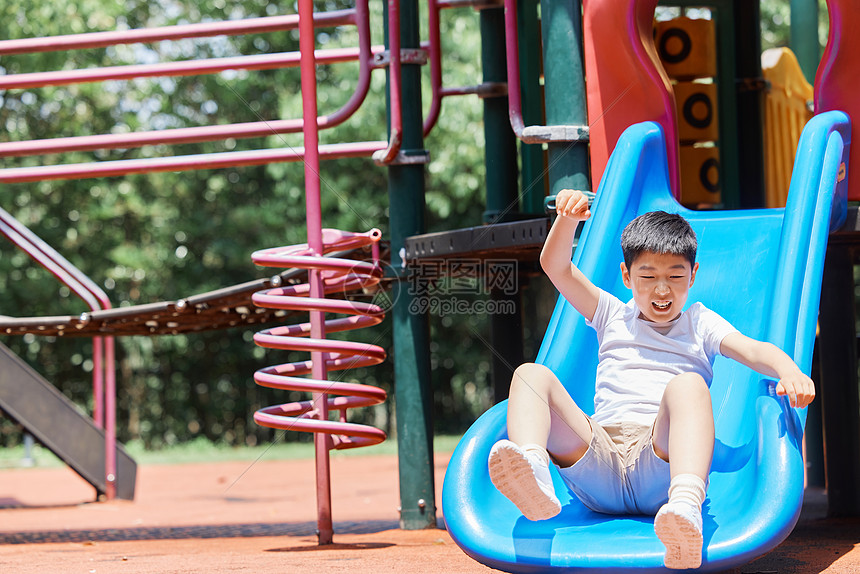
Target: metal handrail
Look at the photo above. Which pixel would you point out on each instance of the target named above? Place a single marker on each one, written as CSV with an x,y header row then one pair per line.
x,y
366,57
181,32
104,376
167,69
537,133
433,45
182,163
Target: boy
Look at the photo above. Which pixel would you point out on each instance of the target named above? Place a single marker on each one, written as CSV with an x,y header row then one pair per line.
x,y
647,449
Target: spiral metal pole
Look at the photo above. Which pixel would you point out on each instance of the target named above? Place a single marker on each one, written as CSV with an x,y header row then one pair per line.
x,y
327,275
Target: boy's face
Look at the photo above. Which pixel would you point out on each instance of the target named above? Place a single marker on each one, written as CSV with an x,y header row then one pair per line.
x,y
660,283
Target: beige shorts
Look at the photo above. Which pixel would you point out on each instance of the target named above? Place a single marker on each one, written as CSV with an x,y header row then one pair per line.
x,y
620,473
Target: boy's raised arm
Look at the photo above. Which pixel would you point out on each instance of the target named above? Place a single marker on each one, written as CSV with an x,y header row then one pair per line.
x,y
572,207
770,360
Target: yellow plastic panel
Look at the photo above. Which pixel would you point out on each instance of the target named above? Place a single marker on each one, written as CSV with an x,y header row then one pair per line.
x,y
700,175
696,108
687,47
786,112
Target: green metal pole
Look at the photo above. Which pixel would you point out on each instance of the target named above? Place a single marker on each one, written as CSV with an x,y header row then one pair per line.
x,y
500,147
501,176
840,398
804,36
723,13
533,182
728,106
564,91
412,392
750,99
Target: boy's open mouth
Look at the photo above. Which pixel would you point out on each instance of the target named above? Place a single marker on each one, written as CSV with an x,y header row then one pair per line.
x,y
661,305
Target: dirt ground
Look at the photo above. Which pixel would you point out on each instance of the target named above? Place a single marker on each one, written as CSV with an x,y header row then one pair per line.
x,y
261,517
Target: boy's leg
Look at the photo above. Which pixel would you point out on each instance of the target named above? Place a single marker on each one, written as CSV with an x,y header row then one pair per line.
x,y
542,412
684,429
541,416
684,435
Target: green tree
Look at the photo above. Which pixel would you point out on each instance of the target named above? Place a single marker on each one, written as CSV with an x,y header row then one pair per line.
x,y
163,236
776,23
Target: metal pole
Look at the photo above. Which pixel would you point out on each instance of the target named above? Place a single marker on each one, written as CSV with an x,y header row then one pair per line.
x,y
564,90
98,383
804,36
750,108
839,392
502,180
28,450
728,105
314,231
412,392
110,418
532,182
500,148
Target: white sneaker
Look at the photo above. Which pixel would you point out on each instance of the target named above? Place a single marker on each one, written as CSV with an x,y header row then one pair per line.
x,y
679,527
524,479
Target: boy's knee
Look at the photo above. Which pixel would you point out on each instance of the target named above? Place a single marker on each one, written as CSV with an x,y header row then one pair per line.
x,y
533,375
690,385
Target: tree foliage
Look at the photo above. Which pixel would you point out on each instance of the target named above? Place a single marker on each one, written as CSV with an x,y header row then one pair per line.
x,y
163,236
775,23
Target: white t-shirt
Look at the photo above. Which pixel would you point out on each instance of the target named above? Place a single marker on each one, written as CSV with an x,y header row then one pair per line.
x,y
637,358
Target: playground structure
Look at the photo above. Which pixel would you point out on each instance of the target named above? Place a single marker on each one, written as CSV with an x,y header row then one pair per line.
x,y
643,177
566,123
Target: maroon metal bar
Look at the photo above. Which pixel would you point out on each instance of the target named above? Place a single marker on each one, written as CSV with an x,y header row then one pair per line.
x,y
394,71
183,68
434,45
182,163
342,276
538,134
477,4
325,531
154,137
181,32
110,419
512,47
96,299
216,133
98,383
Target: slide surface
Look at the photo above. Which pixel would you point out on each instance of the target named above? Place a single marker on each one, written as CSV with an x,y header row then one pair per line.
x,y
761,269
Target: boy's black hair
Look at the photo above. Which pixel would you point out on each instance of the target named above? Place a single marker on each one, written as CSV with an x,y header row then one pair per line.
x,y
658,232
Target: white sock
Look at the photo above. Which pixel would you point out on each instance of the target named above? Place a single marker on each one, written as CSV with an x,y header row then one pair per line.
x,y
678,523
687,488
536,450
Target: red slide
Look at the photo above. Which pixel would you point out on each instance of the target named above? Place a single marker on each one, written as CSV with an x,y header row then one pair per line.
x,y
839,74
625,81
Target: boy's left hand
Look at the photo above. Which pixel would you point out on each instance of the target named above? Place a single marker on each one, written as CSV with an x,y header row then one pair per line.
x,y
798,387
771,361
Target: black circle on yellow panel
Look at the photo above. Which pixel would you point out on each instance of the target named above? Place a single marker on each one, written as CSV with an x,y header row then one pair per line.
x,y
680,55
710,166
689,112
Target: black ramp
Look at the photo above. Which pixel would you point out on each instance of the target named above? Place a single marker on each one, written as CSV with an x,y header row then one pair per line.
x,y
58,424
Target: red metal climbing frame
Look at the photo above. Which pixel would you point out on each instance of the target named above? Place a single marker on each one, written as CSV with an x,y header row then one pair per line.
x,y
326,274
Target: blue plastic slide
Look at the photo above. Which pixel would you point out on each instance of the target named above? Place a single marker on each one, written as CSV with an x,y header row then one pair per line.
x,y
761,269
